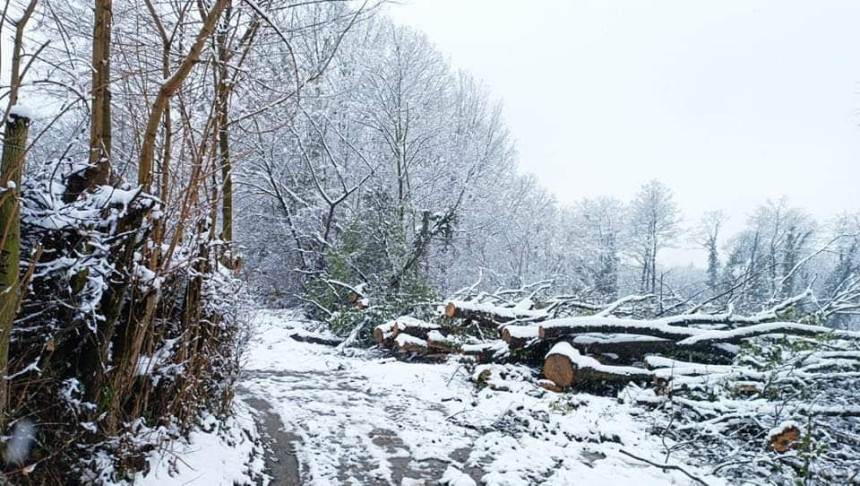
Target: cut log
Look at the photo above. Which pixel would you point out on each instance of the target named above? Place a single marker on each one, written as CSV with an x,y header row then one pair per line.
x,y
413,327
620,347
565,366
384,333
490,315
404,343
559,328
440,342
519,337
784,437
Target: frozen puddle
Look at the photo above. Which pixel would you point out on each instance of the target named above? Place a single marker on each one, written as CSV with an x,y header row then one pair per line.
x,y
376,421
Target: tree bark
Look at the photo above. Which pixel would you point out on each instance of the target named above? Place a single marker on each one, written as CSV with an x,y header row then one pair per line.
x,y
222,91
98,172
100,124
14,147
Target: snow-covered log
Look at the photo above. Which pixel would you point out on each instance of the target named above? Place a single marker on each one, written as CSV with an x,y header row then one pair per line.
x,y
488,352
734,336
384,333
413,327
405,343
620,347
440,342
613,346
519,337
685,336
560,328
565,366
489,314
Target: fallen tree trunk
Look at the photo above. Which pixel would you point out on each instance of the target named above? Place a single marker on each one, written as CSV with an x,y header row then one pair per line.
x,y
621,347
565,367
488,314
560,328
735,336
615,347
685,336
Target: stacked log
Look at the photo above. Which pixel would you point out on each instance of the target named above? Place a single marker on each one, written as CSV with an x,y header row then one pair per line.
x,y
406,343
384,334
599,349
411,337
490,315
565,366
518,337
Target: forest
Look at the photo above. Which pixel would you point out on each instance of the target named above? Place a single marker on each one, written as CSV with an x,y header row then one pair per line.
x,y
216,213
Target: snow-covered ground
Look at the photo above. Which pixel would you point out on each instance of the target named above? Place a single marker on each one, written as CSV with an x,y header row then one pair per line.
x,y
367,419
214,453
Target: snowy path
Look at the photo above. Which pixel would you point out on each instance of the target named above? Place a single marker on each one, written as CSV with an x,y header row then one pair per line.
x,y
375,421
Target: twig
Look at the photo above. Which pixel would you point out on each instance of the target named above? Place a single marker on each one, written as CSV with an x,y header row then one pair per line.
x,y
665,467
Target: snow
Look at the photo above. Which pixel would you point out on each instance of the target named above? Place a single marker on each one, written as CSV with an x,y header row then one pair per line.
x,y
523,332
437,336
21,111
369,419
211,455
511,313
456,477
404,339
404,322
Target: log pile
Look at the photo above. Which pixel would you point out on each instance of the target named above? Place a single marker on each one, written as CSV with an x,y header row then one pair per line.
x,y
673,352
720,378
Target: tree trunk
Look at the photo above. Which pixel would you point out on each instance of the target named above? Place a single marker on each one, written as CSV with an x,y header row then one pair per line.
x,y
98,172
14,147
222,90
100,126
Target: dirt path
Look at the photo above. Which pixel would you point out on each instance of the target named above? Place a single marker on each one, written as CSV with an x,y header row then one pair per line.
x,y
335,419
359,419
281,461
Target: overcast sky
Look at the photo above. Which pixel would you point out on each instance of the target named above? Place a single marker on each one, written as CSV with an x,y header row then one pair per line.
x,y
727,102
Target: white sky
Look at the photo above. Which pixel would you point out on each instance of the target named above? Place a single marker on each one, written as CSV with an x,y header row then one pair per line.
x,y
727,102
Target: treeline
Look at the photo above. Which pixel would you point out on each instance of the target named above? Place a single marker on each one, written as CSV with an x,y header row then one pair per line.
x,y
396,183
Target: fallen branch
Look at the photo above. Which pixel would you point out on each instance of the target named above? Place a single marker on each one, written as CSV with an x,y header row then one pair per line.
x,y
665,467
